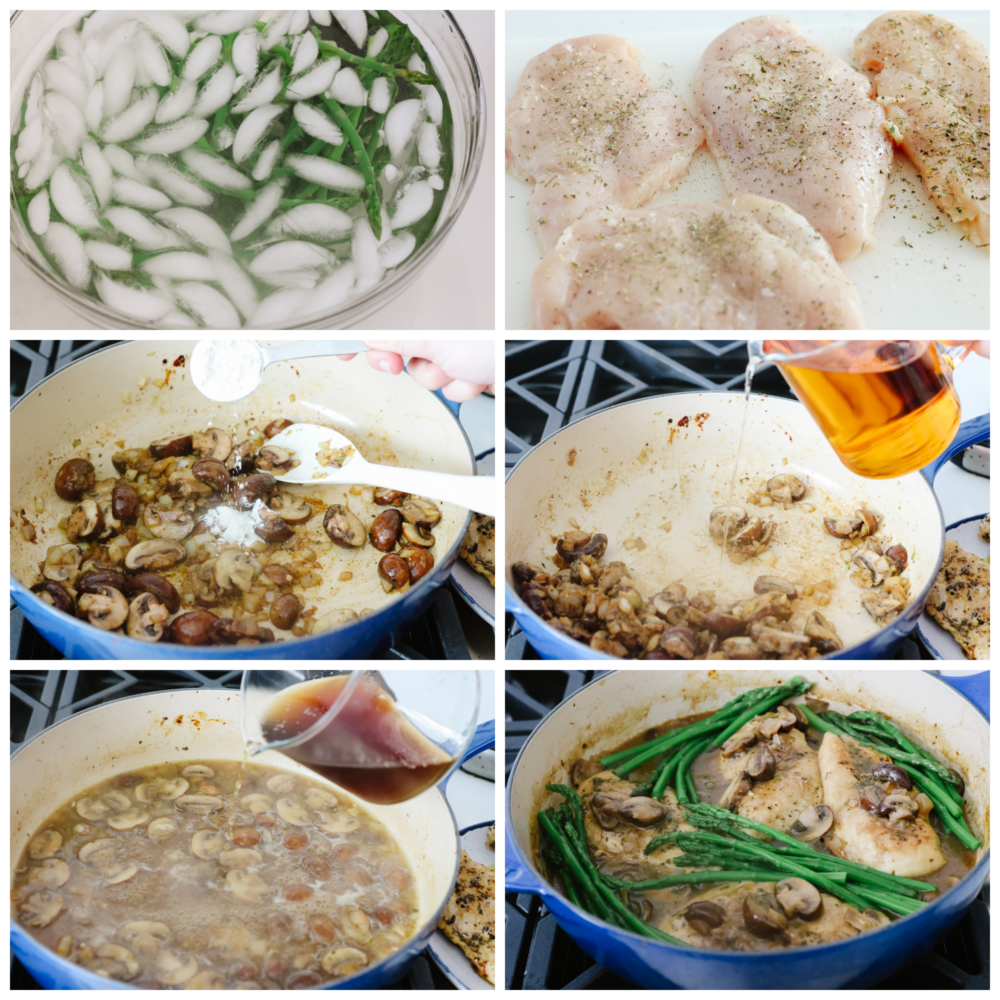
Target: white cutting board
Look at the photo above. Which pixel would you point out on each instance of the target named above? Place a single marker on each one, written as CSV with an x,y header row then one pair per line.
x,y
938,282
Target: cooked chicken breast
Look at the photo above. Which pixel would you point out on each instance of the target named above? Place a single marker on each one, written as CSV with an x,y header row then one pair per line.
x,y
960,600
479,546
934,81
491,836
984,528
787,120
741,264
469,919
836,921
796,784
587,128
907,847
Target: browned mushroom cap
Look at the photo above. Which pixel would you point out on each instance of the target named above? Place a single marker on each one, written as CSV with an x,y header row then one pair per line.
x,y
271,458
213,443
180,483
105,607
147,617
85,521
717,522
240,458
641,810
89,582
798,898
822,635
420,561
681,643
54,594
774,584
739,742
783,719
272,528
762,916
604,806
393,572
893,773
285,611
723,625
277,426
671,611
386,498
385,530
739,788
258,485
801,722
704,916
291,509
160,553
124,500
570,547
132,458
584,769
746,535
160,587
214,473
416,535
871,798
867,569
740,648
785,489
175,524
870,519
899,805
761,764
419,511
344,528
234,570
74,478
245,631
813,823
843,527
171,447
896,554
193,628
60,561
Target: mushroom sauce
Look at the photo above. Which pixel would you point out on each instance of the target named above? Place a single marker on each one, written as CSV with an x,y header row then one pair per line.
x,y
215,875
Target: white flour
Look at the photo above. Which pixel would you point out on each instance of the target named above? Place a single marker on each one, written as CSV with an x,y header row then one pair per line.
x,y
227,370
235,527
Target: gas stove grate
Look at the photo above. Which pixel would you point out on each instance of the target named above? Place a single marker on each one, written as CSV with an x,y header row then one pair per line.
x,y
41,698
437,635
541,956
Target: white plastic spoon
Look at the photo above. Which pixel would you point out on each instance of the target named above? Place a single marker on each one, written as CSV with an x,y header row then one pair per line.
x,y
476,493
228,370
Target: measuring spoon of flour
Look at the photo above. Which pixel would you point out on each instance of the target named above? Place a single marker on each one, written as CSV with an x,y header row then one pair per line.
x,y
476,493
228,370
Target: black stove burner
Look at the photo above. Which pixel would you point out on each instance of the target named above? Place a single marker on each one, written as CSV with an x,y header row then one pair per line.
x,y
437,635
541,956
40,698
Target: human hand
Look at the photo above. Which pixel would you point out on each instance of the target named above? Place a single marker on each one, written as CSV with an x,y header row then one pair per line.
x,y
981,347
460,369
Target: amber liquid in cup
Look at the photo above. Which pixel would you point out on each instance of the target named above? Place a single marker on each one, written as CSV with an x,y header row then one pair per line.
x,y
887,412
389,759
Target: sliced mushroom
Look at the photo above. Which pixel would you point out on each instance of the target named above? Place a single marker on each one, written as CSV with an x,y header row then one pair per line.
x,y
105,608
393,571
416,535
385,497
419,561
704,916
212,443
118,801
741,543
145,936
318,798
161,828
118,872
291,509
230,939
99,852
44,844
257,803
572,546
240,458
739,742
870,520
201,804
129,819
799,898
843,527
640,810
899,806
761,765
293,812
248,886
785,489
271,458
723,625
864,571
147,618
893,773
761,915
181,483
167,522
40,909
419,511
343,527
257,486
813,823
85,521
234,570
214,473
344,961
160,587
173,788
671,611
281,784
782,719
60,561
337,822
207,844
774,584
681,643
54,594
160,553
822,634
882,607
171,447
93,809
52,872
241,857
740,648
74,478
717,522
173,970
739,788
356,925
787,645
582,770
871,798
897,556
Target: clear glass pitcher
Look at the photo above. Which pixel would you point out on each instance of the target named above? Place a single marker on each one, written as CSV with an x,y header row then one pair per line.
x,y
384,735
887,407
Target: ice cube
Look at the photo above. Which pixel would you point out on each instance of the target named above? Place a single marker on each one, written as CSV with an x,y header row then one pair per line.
x,y
355,24
321,17
235,282
94,111
319,170
122,162
147,235
203,57
305,52
320,221
108,256
115,40
180,264
299,22
133,119
197,227
364,254
130,192
29,142
99,170
150,55
33,104
416,64
176,318
66,124
170,138
432,102
264,90
279,307
38,213
395,250
176,103
428,147
258,211
72,197
413,206
118,83
215,169
399,125
291,255
170,180
42,166
348,89
245,52
170,31
331,291
378,98
253,128
313,82
377,42
276,30
225,22
62,79
266,161
210,306
317,124
135,302
66,248
216,92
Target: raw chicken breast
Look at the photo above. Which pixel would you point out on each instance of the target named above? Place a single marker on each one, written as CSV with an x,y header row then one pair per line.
x,y
934,81
746,263
787,120
586,127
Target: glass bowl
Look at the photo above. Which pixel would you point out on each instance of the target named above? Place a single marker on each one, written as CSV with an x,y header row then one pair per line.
x,y
32,35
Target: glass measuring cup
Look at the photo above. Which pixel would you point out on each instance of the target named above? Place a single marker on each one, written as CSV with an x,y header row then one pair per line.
x,y
385,736
886,407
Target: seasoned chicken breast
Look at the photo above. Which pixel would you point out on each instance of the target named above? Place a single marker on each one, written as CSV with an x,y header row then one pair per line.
x,y
907,847
796,784
469,919
741,264
587,128
836,921
959,601
787,120
934,81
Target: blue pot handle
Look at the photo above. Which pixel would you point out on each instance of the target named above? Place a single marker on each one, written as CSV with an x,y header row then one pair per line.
x,y
971,432
450,403
975,687
517,877
483,738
